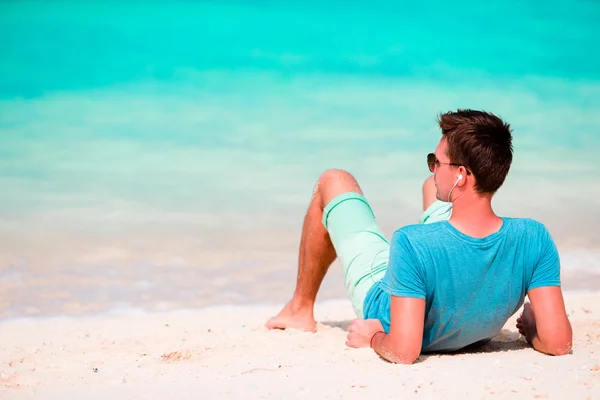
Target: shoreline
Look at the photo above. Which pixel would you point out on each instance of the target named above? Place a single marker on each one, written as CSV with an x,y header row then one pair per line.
x,y
145,312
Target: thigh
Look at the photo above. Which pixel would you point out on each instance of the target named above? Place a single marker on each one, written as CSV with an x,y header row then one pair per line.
x,y
361,247
436,212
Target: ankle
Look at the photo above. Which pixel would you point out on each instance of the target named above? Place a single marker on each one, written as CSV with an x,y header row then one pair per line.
x,y
302,307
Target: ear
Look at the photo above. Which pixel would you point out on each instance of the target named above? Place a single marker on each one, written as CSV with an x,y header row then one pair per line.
x,y
461,176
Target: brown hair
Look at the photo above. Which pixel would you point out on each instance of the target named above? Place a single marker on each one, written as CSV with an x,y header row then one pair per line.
x,y
482,143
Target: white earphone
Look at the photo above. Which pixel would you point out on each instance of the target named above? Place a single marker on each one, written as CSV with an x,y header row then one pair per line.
x,y
450,193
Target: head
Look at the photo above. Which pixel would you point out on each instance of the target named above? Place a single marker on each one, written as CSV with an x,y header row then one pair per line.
x,y
475,153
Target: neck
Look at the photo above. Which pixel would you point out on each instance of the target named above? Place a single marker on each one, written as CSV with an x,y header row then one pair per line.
x,y
472,214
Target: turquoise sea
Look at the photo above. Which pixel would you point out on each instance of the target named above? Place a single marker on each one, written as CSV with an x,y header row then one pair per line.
x,y
161,154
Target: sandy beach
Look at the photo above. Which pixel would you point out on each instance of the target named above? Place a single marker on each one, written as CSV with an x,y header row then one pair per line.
x,y
157,160
225,352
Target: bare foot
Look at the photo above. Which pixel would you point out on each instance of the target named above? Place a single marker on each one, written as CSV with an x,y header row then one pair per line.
x,y
288,319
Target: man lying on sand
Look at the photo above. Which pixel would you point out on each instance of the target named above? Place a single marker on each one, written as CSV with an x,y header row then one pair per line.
x,y
444,284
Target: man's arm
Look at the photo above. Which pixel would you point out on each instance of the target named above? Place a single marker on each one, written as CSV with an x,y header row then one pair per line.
x,y
545,323
404,281
403,344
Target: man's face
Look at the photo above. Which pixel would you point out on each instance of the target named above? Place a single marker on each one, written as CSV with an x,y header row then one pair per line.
x,y
444,175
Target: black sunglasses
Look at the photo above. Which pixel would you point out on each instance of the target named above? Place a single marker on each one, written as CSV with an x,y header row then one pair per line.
x,y
433,162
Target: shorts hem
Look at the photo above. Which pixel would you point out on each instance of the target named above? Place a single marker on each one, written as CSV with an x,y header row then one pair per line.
x,y
336,201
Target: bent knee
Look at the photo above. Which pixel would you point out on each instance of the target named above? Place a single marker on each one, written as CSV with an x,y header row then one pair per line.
x,y
429,192
336,175
429,183
334,182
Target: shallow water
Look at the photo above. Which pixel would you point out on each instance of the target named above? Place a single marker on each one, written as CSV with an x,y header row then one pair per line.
x,y
161,155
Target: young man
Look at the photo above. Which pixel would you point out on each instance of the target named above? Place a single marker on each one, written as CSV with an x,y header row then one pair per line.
x,y
444,284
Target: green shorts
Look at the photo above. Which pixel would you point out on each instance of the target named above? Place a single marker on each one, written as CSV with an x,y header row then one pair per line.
x,y
361,247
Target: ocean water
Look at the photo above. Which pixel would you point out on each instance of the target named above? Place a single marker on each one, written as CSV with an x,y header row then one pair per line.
x,y
161,155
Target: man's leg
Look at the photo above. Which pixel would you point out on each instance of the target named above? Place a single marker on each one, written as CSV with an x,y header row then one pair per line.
x,y
434,210
429,193
316,253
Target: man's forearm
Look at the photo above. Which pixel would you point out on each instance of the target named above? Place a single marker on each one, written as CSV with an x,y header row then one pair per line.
x,y
382,346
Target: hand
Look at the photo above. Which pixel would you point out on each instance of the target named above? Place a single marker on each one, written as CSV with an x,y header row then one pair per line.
x,y
526,323
361,331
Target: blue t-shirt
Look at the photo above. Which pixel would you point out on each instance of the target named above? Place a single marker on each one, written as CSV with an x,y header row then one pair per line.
x,y
471,286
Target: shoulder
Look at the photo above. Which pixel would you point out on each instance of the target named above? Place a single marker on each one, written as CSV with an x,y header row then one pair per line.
x,y
418,233
527,226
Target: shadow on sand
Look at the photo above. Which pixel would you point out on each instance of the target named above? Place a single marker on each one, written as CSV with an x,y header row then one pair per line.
x,y
343,325
506,340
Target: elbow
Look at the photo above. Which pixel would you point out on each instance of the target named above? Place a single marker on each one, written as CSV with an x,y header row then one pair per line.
x,y
559,345
561,348
404,357
407,360
562,352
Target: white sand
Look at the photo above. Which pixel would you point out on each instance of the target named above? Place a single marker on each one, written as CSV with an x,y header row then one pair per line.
x,y
227,353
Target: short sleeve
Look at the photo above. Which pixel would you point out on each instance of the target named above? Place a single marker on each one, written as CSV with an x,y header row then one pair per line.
x,y
404,276
547,270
